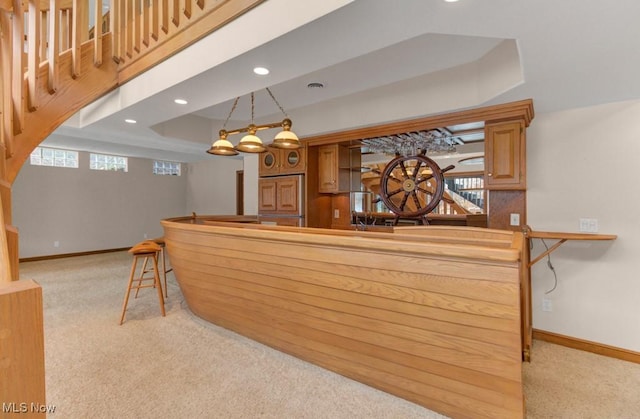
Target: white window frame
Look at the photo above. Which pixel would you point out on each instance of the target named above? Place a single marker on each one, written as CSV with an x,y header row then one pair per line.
x,y
167,168
108,162
54,157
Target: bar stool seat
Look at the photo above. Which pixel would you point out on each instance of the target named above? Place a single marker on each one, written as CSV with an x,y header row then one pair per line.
x,y
147,251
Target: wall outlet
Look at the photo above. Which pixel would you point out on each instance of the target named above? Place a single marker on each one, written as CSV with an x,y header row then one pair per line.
x,y
56,243
547,305
588,225
336,213
514,219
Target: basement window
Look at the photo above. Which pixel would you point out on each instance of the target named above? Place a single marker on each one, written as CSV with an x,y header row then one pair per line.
x,y
54,157
166,168
108,162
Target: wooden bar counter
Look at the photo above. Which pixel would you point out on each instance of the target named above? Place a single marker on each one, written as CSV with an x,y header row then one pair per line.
x,y
430,314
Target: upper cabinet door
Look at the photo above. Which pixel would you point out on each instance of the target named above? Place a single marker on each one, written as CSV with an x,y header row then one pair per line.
x,y
283,162
334,168
269,161
328,168
293,161
505,162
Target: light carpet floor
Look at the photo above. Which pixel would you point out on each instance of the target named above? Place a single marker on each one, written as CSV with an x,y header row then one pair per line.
x,y
180,366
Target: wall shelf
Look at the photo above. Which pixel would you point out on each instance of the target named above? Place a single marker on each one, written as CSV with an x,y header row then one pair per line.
x,y
563,237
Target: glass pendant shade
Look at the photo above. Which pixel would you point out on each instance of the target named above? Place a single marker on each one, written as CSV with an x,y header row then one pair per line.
x,y
286,138
222,147
251,143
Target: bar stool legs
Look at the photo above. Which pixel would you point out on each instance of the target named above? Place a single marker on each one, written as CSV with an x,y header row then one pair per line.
x,y
149,251
160,241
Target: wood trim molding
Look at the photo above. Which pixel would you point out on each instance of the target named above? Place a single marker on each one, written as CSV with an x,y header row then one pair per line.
x,y
588,346
68,255
522,110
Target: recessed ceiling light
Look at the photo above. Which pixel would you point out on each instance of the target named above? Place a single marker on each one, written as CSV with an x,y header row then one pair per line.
x,y
181,101
130,121
451,1
261,71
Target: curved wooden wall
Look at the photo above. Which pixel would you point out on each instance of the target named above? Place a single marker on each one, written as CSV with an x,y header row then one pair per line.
x,y
432,316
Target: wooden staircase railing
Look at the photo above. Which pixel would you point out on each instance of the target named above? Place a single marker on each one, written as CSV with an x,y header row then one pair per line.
x,y
52,64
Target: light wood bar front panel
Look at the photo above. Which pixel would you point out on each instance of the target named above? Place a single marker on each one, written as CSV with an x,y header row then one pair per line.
x,y
22,381
434,320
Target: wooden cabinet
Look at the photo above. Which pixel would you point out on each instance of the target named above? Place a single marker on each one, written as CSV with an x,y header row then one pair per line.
x,y
334,169
276,161
505,162
280,195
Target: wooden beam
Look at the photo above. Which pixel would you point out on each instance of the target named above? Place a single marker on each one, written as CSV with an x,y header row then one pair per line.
x,y
155,19
175,13
137,25
33,53
54,45
78,29
522,110
146,23
6,68
165,16
128,49
97,34
17,72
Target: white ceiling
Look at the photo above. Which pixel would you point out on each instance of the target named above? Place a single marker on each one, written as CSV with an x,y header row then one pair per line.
x,y
380,61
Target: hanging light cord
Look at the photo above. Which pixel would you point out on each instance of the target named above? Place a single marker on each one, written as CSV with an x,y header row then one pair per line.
x,y
274,99
233,108
555,277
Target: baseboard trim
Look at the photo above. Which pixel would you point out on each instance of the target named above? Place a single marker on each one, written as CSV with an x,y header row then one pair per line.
x,y
68,255
588,346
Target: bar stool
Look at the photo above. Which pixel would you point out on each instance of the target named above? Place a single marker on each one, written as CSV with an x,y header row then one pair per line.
x,y
148,251
160,242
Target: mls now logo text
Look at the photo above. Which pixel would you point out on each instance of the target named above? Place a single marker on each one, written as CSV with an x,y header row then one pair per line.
x,y
14,407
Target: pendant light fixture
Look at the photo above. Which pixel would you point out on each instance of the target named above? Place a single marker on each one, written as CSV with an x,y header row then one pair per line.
x,y
251,143
223,147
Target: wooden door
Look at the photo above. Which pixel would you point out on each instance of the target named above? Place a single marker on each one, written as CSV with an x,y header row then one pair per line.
x,y
328,168
505,156
269,161
288,195
292,161
267,195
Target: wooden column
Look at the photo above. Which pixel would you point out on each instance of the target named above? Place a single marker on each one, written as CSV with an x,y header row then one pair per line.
x,y
22,379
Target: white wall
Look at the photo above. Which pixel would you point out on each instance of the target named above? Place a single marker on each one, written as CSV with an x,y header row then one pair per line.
x,y
211,185
251,174
85,210
583,163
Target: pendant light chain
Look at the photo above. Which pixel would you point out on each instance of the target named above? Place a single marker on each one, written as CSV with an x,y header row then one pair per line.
x,y
252,107
274,99
233,108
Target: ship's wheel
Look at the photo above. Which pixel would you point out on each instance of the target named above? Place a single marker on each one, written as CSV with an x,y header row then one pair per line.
x,y
412,186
